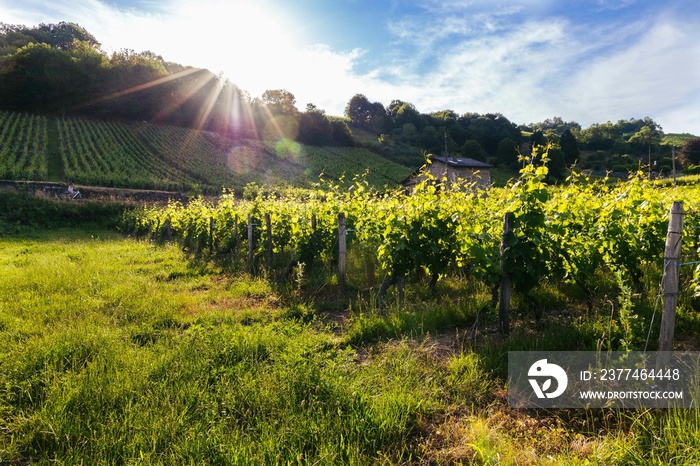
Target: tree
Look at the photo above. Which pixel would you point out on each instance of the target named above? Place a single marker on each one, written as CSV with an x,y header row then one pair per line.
x,y
690,153
342,136
538,139
648,136
62,35
507,153
280,101
37,78
473,149
556,124
13,37
569,146
488,130
365,114
600,136
556,164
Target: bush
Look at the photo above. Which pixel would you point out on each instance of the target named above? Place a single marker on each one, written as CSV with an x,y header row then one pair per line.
x,y
27,210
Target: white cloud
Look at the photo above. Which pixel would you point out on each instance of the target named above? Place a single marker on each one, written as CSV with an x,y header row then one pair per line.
x,y
655,76
553,66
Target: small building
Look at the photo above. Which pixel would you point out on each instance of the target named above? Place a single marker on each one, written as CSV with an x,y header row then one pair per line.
x,y
453,169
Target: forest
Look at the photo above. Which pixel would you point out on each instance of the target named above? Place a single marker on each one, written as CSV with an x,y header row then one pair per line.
x,y
61,69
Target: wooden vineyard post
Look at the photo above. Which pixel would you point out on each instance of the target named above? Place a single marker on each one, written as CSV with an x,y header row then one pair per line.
x,y
504,296
212,227
401,285
250,244
236,244
672,254
313,222
268,229
341,250
168,230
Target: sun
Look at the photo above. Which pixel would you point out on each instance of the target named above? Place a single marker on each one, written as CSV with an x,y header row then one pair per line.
x,y
252,43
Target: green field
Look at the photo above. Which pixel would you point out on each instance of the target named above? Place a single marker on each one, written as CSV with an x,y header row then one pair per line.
x,y
147,156
172,353
150,358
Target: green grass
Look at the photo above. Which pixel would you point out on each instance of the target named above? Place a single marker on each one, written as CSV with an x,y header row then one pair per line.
x,y
146,358
501,176
118,351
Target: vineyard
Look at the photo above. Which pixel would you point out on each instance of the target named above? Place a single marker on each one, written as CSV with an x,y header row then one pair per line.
x,y
142,155
23,146
590,236
272,329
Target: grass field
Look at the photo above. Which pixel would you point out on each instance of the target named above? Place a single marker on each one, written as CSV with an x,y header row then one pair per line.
x,y
151,358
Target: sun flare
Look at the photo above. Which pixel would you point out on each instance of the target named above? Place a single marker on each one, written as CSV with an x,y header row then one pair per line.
x,y
248,42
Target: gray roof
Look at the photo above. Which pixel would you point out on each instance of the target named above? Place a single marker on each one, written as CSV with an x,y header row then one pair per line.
x,y
461,162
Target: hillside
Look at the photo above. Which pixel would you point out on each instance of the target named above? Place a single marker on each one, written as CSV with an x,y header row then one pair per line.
x,y
144,155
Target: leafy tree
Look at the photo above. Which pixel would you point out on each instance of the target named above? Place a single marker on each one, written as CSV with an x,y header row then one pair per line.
x,y
473,149
37,78
489,129
359,110
444,116
600,136
280,101
342,136
538,139
690,153
507,153
365,114
13,37
629,127
647,137
569,146
405,113
556,165
63,35
317,128
556,124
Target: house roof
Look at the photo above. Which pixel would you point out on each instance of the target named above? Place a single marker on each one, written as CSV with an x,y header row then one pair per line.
x,y
461,162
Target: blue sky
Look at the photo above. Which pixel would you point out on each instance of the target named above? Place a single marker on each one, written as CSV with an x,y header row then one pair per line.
x,y
588,61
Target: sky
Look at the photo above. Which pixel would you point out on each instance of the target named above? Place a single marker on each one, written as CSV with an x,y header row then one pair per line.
x,y
588,61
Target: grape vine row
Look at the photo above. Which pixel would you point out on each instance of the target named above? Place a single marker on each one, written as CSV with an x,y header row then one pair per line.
x,y
573,233
23,146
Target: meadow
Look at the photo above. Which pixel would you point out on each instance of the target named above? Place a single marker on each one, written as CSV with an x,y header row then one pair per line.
x,y
162,356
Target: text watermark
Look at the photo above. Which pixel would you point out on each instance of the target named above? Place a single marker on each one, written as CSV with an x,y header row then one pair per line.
x,y
582,379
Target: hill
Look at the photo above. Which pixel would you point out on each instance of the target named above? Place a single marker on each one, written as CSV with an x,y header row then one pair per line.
x,y
144,155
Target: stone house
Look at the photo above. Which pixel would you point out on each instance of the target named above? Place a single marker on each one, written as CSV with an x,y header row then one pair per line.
x,y
453,169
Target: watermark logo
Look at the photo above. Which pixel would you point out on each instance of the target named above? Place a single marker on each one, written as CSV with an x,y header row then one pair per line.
x,y
546,372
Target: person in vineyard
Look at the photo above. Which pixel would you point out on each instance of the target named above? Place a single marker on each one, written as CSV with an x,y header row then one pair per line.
x,y
72,192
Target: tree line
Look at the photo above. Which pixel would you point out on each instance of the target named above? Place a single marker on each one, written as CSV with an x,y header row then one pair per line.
x,y
61,69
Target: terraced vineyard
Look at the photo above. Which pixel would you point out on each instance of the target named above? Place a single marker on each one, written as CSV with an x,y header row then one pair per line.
x,y
23,146
143,155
